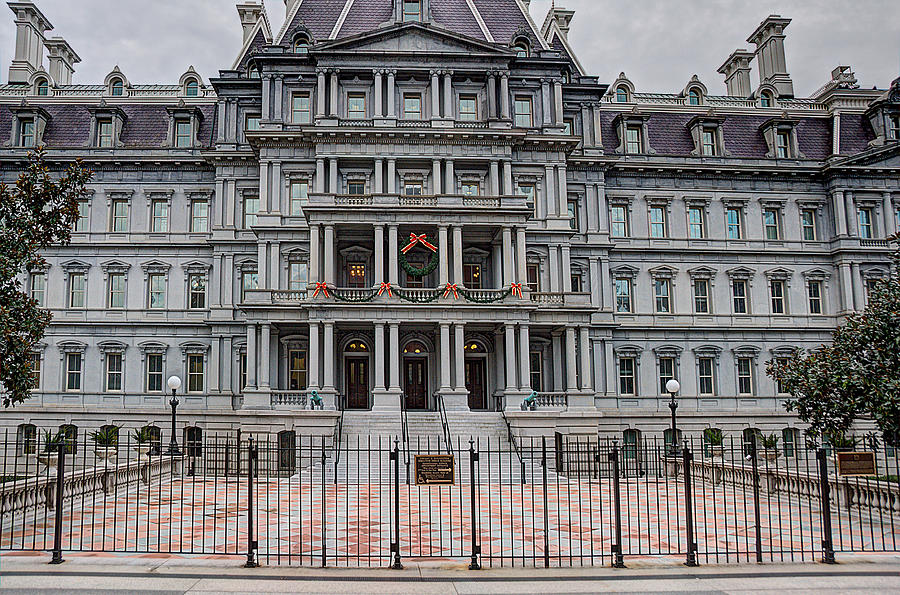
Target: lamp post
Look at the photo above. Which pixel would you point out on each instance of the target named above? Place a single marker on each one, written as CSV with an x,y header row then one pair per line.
x,y
174,384
673,386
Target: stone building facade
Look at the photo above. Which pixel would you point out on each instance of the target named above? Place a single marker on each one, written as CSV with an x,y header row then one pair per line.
x,y
582,239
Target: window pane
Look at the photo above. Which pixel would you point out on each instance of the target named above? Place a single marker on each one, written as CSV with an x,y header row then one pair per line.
x,y
73,371
815,297
76,290
198,292
618,222
733,217
657,222
113,372
695,221
38,288
300,109
200,216
808,223
739,293
155,372
299,276
356,106
81,224
705,366
251,209
666,373
195,374
701,296
468,108
119,216
116,290
626,376
633,142
745,379
160,216
708,145
623,295
297,371
157,289
661,293
523,112
864,217
412,106
299,197
183,134
777,290
770,219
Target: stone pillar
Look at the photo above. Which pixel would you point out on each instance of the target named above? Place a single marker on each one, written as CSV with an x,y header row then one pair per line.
x,y
492,95
521,256
499,361
393,265
459,356
553,261
265,197
508,179
436,176
328,357
849,207
846,286
524,359
320,175
495,178
586,378
251,357
394,329
379,176
391,92
265,344
333,185
602,208
320,92
379,99
450,178
497,266
329,255
262,265
392,176
443,272
510,350
890,220
379,357
596,284
507,257
314,252
448,95
550,191
313,375
435,94
566,267
504,96
563,192
859,296
590,196
277,190
608,301
557,345
445,356
586,125
558,103
571,363
458,255
379,255
333,109
279,97
546,102
266,95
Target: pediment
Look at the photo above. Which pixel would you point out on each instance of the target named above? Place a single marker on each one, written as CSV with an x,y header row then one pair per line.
x,y
413,38
887,156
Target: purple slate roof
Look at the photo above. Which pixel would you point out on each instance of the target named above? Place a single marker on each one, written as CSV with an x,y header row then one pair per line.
x,y
456,16
256,45
504,19
364,16
320,16
856,133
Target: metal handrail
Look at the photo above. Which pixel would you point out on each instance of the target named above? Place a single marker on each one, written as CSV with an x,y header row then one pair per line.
x,y
444,423
404,429
515,444
338,434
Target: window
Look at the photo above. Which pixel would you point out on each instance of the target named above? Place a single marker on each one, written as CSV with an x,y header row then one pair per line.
x,y
618,221
117,89
893,127
251,211
297,369
631,439
154,372
790,441
35,370
116,299
694,97
43,88
521,48
299,280
576,280
195,373
534,278
472,277
252,122
622,95
536,366
39,288
412,189
696,224
524,115
197,288
666,373
301,46
183,133
528,191
779,387
626,376
864,217
113,372
745,375
705,375
242,367
808,224
739,295
569,126
77,290
623,296
249,281
662,292
356,274
412,11
299,197
27,133
160,219
415,282
470,188
82,224
300,109
701,296
156,291
412,106
192,88
766,99
708,145
119,216
633,140
356,187
356,106
104,134
199,216
871,285
73,372
776,288
572,209
771,222
26,439
733,223
193,442
814,291
782,145
468,108
657,222
70,435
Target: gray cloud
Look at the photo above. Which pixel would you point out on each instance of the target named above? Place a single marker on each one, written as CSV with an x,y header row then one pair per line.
x,y
658,43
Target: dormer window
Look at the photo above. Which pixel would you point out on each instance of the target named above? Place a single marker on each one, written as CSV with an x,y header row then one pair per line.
x,y
634,143
521,47
781,137
43,88
117,88
412,11
708,143
766,99
105,134
26,133
183,133
894,127
782,145
622,95
192,88
253,72
694,97
633,132
707,133
301,46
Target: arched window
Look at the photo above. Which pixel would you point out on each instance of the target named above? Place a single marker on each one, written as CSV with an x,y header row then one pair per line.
x,y
301,45
415,348
750,439
357,346
790,441
521,47
117,88
113,431
26,439
622,95
287,455
43,87
252,72
631,440
155,437
667,438
766,99
193,441
474,347
694,96
70,435
192,88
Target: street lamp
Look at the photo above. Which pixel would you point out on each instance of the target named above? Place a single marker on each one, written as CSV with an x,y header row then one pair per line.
x,y
174,383
673,386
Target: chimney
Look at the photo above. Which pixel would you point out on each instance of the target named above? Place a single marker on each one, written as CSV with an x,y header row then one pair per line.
x,y
769,41
737,73
563,19
250,15
62,60
31,25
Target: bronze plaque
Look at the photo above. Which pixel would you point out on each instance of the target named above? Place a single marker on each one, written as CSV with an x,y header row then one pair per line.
x,y
435,470
856,463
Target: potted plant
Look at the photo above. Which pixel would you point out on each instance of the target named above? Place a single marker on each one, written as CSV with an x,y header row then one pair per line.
x,y
106,442
49,452
143,440
843,443
769,445
714,439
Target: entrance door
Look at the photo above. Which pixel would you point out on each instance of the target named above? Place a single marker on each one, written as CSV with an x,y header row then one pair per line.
x,y
416,382
476,383
357,382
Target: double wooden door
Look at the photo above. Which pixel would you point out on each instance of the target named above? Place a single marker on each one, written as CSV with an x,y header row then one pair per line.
x,y
357,382
415,381
476,383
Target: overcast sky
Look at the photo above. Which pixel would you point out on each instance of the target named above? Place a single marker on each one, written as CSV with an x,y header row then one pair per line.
x,y
658,43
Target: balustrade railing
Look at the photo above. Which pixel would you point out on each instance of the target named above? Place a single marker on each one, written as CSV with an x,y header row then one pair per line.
x,y
296,398
353,199
553,399
548,298
425,200
290,296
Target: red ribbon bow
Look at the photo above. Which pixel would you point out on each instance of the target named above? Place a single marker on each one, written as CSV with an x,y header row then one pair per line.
x,y
323,287
454,288
422,239
516,289
386,287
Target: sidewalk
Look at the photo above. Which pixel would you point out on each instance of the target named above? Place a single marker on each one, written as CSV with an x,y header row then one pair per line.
x,y
31,574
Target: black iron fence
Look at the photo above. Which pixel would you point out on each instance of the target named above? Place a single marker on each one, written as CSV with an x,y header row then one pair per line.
x,y
538,502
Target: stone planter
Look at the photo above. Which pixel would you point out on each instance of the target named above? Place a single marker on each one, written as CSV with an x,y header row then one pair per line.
x,y
106,454
48,459
717,452
143,451
770,454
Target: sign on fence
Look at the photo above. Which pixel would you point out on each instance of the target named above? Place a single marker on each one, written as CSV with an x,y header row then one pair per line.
x,y
435,470
856,463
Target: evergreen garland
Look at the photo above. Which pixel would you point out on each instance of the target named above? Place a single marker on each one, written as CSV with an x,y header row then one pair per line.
x,y
470,297
370,296
425,299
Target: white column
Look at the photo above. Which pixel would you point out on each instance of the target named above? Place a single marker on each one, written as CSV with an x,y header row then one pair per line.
x,y
320,92
265,342
504,96
499,361
510,349
563,192
279,97
265,197
251,357
320,175
859,298
391,100
262,265
571,365
492,95
277,189
521,262
607,284
333,185
558,103
887,208
445,356
602,208
266,94
379,255
557,343
495,178
379,176
443,272
379,357
846,286
508,179
328,361
850,210
566,269
546,102
507,257
394,330
393,266
590,195
497,265
553,261
550,190
314,252
450,178
459,356
586,125
448,95
435,94
392,176
596,284
379,101
333,110
458,255
329,254
586,376
524,359
313,375
436,175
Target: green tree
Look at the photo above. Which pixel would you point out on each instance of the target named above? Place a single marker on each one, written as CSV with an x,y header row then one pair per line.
x,y
34,214
858,374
